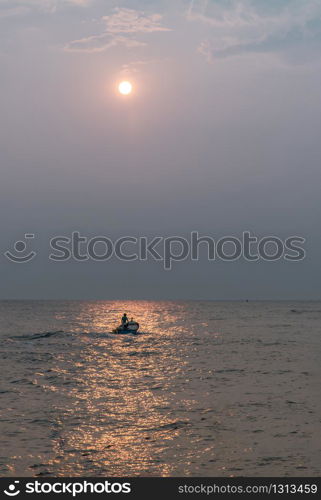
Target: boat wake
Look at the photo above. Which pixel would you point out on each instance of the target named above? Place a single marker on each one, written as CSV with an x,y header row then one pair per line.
x,y
46,335
37,336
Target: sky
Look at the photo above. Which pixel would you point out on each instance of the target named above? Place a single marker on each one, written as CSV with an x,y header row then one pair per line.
x,y
221,135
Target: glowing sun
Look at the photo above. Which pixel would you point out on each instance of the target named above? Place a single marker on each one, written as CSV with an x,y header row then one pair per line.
x,y
125,88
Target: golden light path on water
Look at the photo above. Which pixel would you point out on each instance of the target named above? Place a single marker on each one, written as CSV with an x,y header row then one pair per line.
x,y
120,409
207,389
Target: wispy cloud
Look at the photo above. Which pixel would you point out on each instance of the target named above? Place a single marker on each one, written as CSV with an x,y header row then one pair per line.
x,y
9,8
244,26
135,66
12,11
133,21
120,26
100,43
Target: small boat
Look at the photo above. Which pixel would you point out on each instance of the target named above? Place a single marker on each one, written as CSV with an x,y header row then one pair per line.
x,y
131,327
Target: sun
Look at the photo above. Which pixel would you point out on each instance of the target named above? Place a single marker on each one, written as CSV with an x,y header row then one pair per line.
x,y
125,88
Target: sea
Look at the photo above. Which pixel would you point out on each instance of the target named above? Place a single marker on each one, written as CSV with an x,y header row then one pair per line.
x,y
206,389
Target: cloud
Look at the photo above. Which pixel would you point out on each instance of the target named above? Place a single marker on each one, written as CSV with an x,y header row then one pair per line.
x,y
133,21
100,43
136,65
120,26
237,27
82,3
10,8
12,12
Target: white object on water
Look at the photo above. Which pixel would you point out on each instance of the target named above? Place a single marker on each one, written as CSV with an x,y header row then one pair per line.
x,y
132,327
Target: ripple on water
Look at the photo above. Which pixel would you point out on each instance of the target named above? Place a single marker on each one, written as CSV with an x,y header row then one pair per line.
x,y
181,399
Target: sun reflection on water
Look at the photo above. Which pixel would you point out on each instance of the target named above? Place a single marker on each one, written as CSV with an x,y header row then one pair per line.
x,y
118,417
184,398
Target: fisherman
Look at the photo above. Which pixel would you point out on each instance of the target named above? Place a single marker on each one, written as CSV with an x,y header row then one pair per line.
x,y
124,320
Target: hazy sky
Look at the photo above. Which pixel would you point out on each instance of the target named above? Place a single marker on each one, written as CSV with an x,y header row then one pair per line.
x,y
221,135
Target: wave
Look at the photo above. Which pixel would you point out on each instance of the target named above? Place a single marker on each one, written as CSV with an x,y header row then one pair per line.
x,y
36,336
170,426
305,311
45,335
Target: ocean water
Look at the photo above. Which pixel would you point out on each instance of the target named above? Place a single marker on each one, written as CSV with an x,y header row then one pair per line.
x,y
207,389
